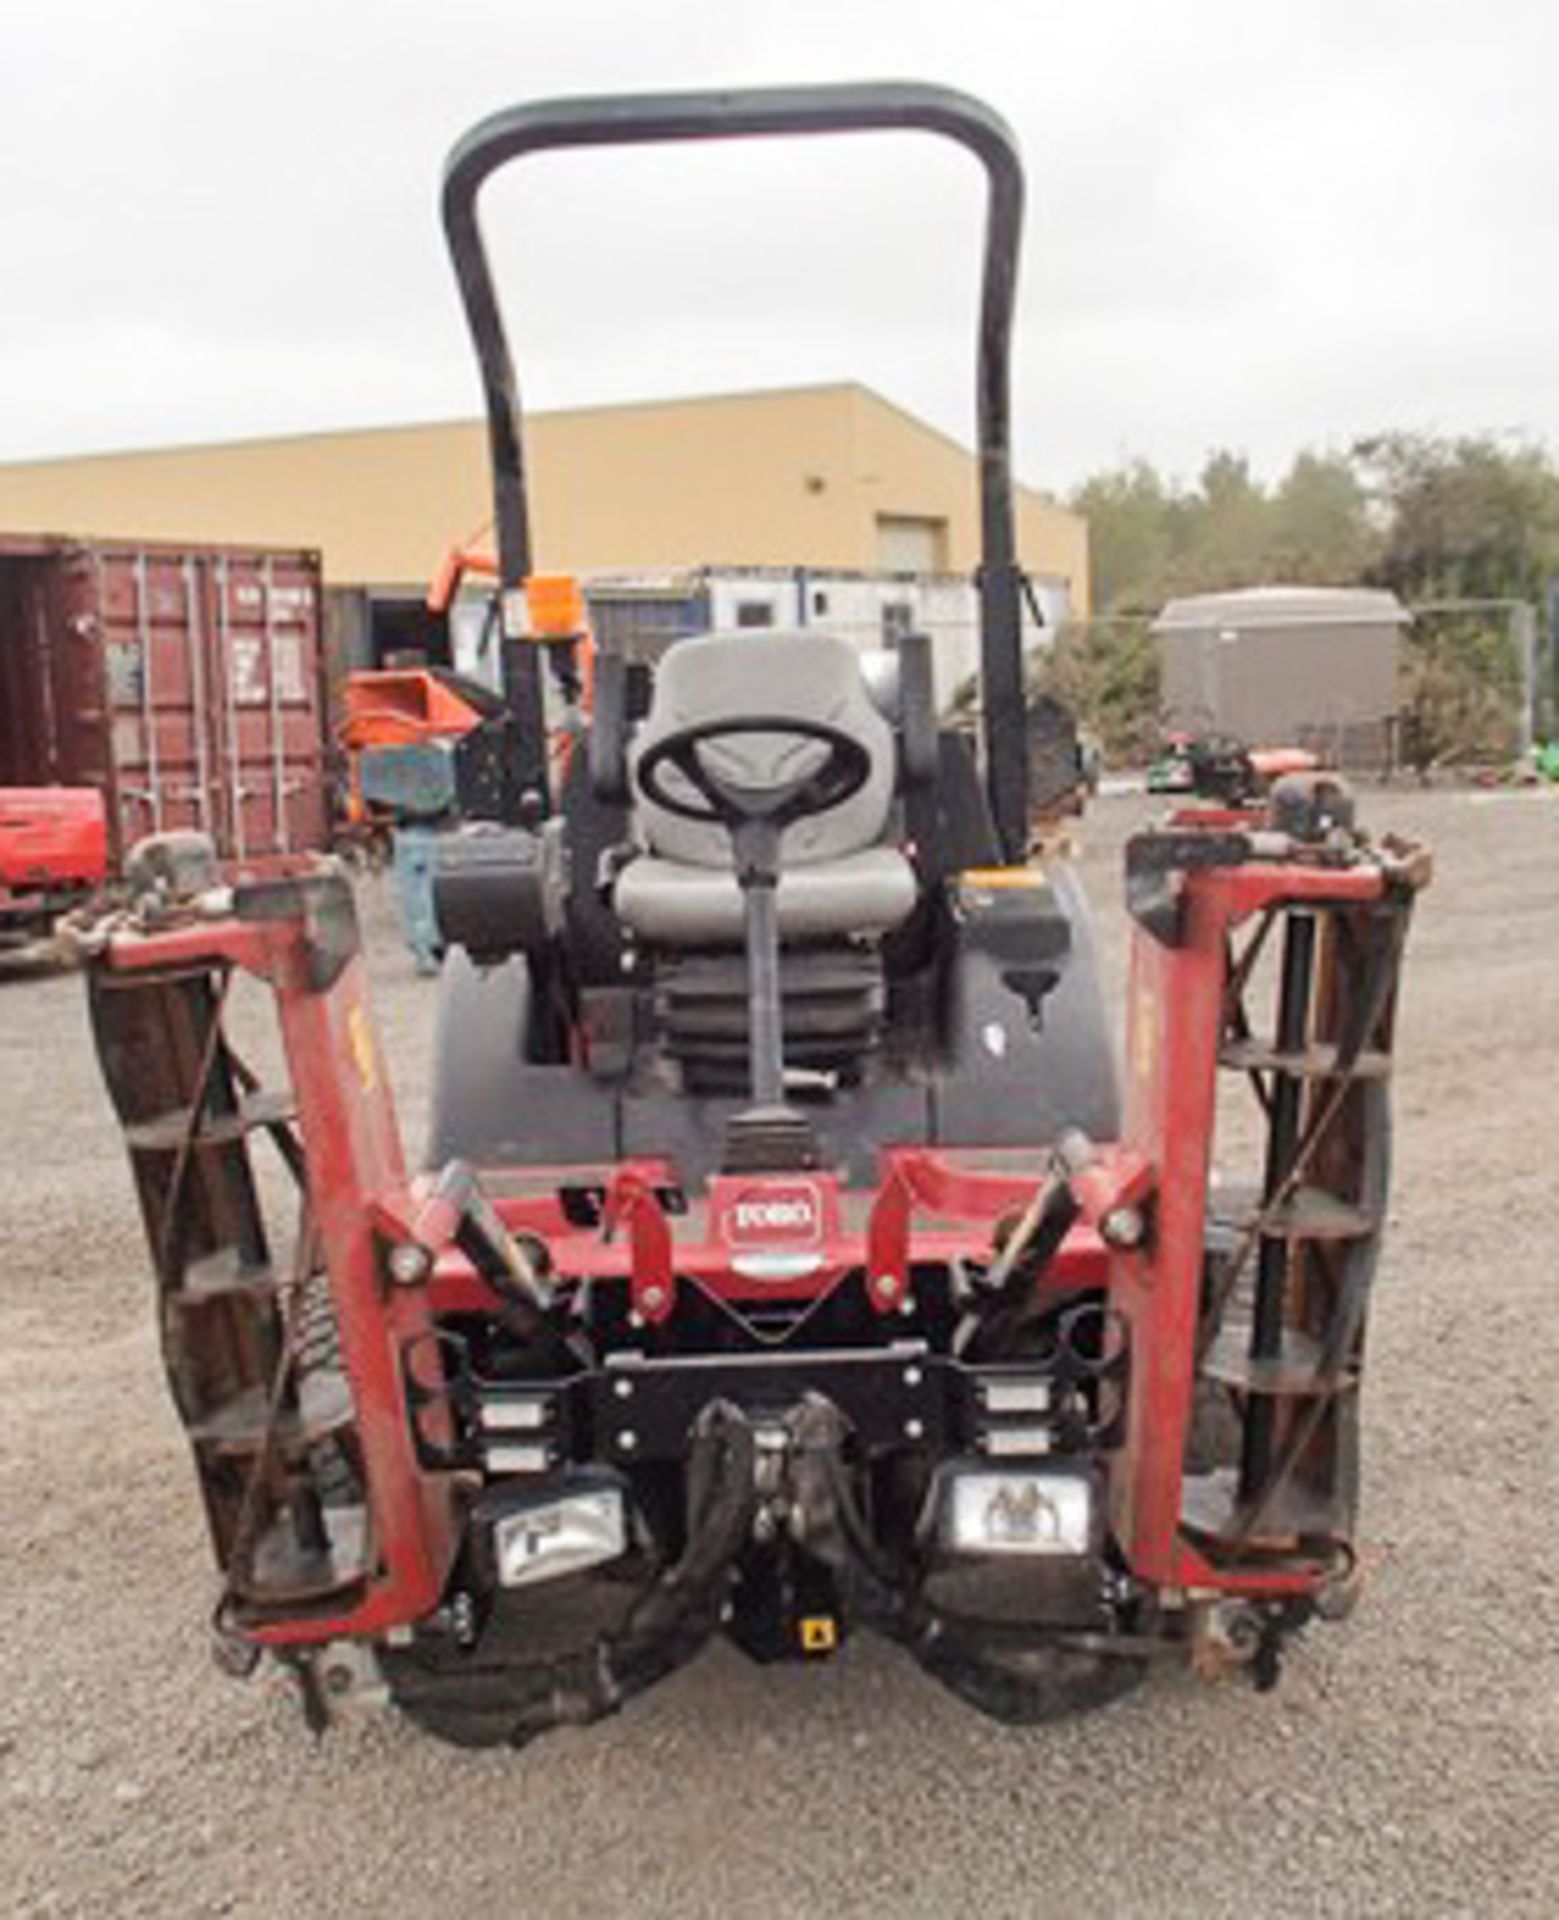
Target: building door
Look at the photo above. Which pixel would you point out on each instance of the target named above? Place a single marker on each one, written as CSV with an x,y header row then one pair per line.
x,y
911,544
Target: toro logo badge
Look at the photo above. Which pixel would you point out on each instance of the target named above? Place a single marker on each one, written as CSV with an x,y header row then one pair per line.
x,y
775,1215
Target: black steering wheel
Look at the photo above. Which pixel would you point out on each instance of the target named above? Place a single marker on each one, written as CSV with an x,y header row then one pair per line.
x,y
838,777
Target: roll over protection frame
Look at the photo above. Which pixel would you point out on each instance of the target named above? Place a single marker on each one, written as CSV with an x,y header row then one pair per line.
x,y
637,119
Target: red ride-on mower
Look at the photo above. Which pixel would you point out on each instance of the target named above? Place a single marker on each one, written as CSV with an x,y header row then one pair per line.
x,y
786,1260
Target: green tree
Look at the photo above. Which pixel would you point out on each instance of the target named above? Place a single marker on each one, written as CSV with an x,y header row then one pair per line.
x,y
1223,528
1107,672
1319,529
1467,518
1460,681
1129,531
1151,539
1472,518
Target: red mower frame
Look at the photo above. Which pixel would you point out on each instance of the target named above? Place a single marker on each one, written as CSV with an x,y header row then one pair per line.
x,y
398,1251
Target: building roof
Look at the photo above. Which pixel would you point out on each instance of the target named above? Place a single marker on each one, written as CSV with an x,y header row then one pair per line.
x,y
1248,607
465,422
803,476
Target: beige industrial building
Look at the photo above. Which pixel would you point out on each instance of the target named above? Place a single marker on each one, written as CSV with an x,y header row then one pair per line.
x,y
830,477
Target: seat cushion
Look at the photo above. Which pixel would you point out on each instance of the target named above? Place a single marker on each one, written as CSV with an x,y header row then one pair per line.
x,y
687,906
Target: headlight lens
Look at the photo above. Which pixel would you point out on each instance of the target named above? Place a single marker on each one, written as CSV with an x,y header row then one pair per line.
x,y
546,1538
1033,1511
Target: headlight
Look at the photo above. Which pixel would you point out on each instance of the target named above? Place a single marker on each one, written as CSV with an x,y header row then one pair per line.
x,y
541,1538
1045,1510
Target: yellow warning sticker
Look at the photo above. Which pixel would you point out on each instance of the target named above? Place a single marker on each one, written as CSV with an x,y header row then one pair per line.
x,y
360,1037
819,1633
1003,879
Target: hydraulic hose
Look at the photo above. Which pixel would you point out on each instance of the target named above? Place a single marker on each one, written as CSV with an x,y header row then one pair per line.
x,y
675,1615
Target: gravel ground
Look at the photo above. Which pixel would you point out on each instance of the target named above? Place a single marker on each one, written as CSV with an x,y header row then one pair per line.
x,y
1409,1764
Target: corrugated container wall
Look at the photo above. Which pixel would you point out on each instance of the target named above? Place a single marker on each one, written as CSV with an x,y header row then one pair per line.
x,y
183,682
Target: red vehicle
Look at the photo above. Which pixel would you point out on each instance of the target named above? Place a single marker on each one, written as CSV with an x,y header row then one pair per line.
x,y
788,1258
53,853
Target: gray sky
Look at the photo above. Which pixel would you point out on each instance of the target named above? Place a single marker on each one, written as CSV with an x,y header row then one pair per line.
x,y
1258,225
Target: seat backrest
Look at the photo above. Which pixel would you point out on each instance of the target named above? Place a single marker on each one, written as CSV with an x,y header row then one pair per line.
x,y
789,675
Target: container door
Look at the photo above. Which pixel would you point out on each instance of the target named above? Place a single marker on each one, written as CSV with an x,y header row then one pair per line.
x,y
264,718
53,730
149,629
211,668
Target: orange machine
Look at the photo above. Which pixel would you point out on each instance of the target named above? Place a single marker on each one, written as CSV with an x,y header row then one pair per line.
x,y
397,707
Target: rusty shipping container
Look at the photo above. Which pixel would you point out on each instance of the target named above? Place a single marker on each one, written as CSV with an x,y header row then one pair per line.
x,y
183,682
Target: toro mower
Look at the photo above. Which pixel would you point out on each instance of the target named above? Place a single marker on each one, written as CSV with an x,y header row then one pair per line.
x,y
787,1259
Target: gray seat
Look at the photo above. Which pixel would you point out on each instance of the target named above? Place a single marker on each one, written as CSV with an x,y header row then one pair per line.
x,y
837,876
678,905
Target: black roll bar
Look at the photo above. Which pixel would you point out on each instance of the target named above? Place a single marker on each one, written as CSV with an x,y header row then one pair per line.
x,y
635,119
